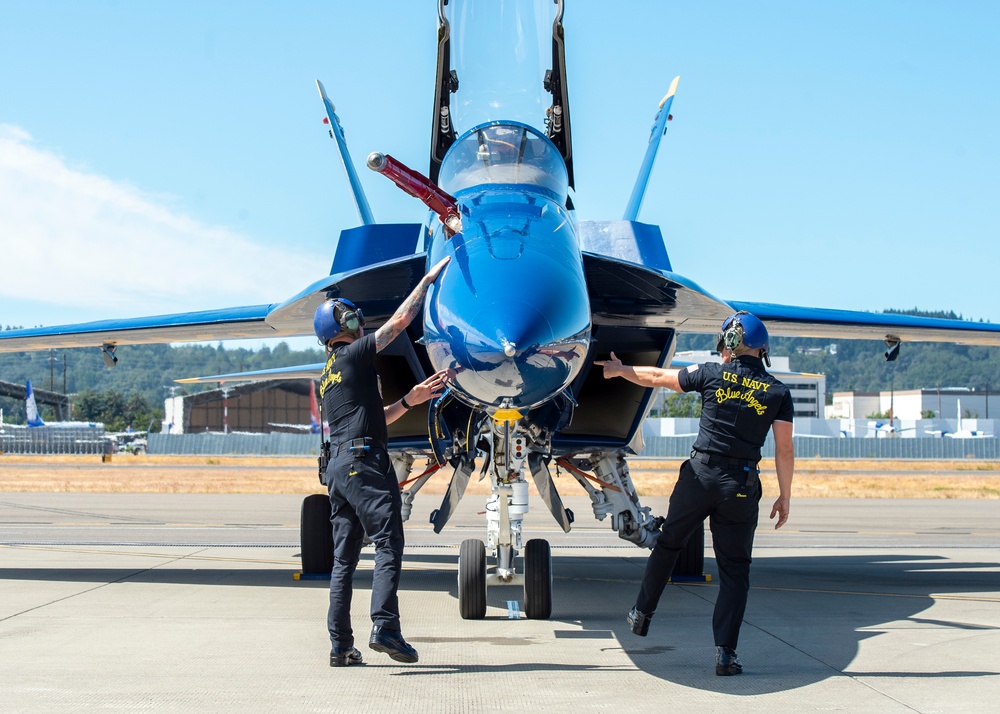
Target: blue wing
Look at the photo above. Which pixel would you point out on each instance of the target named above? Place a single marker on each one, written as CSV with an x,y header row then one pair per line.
x,y
376,264
230,323
793,321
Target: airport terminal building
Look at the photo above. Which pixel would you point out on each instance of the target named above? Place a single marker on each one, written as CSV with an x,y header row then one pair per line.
x,y
249,407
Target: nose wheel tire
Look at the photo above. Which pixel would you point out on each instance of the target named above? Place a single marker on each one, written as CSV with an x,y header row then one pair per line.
x,y
472,580
537,580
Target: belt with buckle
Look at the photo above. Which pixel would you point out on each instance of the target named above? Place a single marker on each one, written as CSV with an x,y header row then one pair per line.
x,y
719,460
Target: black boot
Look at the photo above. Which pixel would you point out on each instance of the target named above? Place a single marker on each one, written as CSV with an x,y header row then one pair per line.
x,y
344,656
639,622
726,662
392,643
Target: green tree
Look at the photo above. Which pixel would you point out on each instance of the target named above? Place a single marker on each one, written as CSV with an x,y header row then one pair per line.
x,y
681,406
115,411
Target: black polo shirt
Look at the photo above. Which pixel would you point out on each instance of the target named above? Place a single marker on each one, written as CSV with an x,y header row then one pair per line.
x,y
352,394
739,402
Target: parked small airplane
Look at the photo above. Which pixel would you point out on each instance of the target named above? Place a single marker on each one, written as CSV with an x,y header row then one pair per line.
x,y
35,418
887,428
531,298
961,432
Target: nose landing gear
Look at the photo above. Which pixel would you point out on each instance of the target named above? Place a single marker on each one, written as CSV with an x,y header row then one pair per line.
x,y
504,511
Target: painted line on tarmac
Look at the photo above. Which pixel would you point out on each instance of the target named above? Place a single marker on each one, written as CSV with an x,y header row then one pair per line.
x,y
168,556
962,598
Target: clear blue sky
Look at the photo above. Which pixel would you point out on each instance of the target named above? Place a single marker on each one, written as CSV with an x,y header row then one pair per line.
x,y
168,156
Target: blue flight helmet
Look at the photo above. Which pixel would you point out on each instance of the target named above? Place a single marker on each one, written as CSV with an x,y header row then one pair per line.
x,y
335,315
743,328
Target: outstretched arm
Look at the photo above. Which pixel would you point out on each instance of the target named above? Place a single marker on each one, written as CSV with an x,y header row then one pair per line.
x,y
431,387
407,310
643,376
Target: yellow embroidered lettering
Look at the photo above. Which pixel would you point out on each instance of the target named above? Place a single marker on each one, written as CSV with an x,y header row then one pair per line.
x,y
754,384
329,379
724,395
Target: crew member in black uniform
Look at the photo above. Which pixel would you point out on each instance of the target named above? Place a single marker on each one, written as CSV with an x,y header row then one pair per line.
x,y
740,402
364,492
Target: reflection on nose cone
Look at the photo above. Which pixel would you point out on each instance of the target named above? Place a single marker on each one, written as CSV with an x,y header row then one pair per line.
x,y
516,357
504,328
515,352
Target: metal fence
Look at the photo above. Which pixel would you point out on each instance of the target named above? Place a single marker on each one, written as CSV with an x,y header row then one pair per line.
x,y
53,440
656,447
815,448
273,444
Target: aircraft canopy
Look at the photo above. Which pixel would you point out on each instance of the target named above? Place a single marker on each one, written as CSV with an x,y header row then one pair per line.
x,y
504,153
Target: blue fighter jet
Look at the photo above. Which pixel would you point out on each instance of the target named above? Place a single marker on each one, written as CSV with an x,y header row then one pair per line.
x,y
531,298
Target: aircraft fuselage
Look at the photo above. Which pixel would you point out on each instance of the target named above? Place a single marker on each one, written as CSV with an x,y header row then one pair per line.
x,y
511,313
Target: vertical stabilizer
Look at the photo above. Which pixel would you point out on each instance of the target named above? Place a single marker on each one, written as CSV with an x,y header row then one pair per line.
x,y
34,418
658,130
337,133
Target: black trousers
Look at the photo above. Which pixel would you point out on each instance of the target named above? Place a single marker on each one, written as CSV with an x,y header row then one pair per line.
x,y
729,497
365,498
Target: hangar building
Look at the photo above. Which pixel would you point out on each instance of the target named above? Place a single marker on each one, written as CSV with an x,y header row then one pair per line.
x,y
254,407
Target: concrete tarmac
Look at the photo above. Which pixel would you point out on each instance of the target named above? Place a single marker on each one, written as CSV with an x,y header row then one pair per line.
x,y
126,602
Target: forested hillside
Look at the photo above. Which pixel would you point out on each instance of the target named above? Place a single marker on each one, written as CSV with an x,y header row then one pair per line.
x,y
134,390
144,376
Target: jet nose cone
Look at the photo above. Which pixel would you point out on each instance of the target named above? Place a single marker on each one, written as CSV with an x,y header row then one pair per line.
x,y
506,329
517,356
517,344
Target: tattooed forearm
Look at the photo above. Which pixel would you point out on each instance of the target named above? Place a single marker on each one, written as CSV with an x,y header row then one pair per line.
x,y
401,318
408,310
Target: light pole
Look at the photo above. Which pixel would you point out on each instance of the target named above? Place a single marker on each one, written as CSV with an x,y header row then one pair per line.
x,y
892,412
52,369
225,410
